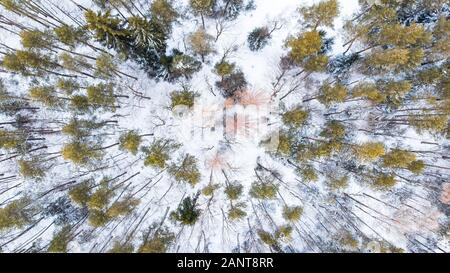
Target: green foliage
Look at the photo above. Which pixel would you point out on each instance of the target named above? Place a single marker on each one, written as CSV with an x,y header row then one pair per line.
x,y
79,153
80,104
210,189
398,159
258,38
186,170
98,218
80,194
101,95
321,14
99,199
60,240
224,68
338,183
105,66
330,94
31,168
236,212
334,130
201,43
308,173
384,181
68,86
121,208
307,44
16,214
69,35
159,152
184,97
164,12
10,140
159,242
130,141
292,214
295,117
369,151
416,167
45,95
233,191
28,63
187,212
35,39
121,248
263,190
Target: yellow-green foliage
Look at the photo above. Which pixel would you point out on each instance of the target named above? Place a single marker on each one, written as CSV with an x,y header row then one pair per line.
x,y
97,218
284,233
334,130
236,212
292,214
321,14
186,170
130,141
337,183
330,94
210,189
398,159
30,169
224,68
45,95
416,167
369,151
284,144
308,173
79,153
308,43
60,240
233,191
121,248
80,193
99,199
121,208
295,117
384,181
263,190
158,153
182,98
14,215
370,92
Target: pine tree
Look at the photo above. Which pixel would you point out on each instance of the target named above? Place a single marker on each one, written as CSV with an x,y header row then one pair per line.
x,y
102,95
295,118
233,191
334,130
186,170
292,214
398,159
45,94
330,94
121,208
321,14
28,63
130,141
384,181
164,12
121,248
16,214
258,38
31,168
159,152
79,153
305,45
187,212
159,242
182,98
81,193
369,151
224,68
98,218
263,190
60,240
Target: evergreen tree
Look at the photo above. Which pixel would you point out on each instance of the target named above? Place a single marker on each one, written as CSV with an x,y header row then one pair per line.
x,y
130,141
321,14
186,170
187,212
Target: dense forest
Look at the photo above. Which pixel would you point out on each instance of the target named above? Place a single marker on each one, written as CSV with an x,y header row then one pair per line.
x,y
224,126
